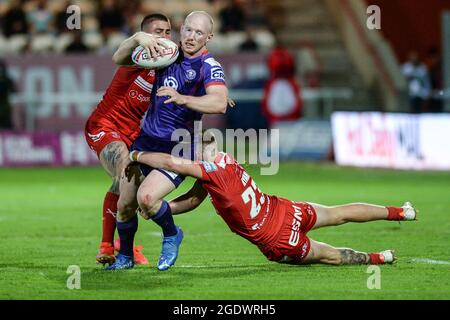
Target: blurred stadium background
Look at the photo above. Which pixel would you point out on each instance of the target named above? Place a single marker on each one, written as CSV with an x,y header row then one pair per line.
x,y
337,90
330,60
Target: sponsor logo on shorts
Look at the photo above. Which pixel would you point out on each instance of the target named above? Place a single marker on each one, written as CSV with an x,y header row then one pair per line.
x,y
294,238
97,137
304,250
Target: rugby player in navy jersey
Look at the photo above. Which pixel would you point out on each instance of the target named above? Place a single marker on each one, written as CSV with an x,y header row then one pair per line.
x,y
192,86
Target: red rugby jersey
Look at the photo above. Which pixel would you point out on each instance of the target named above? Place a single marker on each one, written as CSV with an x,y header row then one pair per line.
x,y
237,199
127,98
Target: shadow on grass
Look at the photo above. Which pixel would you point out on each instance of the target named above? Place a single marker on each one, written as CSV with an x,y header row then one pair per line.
x,y
142,278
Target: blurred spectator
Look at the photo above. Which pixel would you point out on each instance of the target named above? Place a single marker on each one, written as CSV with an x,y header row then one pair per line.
x,y
132,15
40,19
110,18
282,95
61,17
6,88
77,45
255,15
249,44
281,62
14,20
232,17
434,64
419,86
176,22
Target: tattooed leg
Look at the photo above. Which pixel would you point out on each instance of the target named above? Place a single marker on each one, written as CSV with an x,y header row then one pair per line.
x,y
113,158
324,253
350,256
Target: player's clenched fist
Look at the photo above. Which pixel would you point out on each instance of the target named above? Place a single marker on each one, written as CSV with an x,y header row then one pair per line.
x,y
153,44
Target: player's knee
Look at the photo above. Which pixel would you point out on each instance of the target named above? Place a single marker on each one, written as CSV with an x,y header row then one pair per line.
x,y
335,217
144,199
147,202
340,219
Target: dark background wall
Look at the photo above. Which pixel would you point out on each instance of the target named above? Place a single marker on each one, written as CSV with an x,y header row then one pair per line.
x,y
412,24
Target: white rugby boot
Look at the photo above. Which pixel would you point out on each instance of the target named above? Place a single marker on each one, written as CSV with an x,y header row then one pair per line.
x,y
388,256
409,212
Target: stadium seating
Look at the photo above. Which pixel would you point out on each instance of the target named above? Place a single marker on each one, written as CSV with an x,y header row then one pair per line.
x,y
42,43
54,41
16,43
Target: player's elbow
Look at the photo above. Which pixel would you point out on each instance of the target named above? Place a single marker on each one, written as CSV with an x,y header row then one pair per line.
x,y
222,107
121,60
116,59
223,110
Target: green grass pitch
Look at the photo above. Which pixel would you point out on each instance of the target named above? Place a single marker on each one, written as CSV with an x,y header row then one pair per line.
x,y
51,219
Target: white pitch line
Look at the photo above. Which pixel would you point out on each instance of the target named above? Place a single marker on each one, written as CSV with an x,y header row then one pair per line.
x,y
199,266
155,234
192,266
430,261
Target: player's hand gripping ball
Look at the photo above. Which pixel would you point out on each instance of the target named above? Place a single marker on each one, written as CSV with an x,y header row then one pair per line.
x,y
168,56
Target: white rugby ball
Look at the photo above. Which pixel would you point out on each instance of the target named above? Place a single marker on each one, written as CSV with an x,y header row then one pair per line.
x,y
168,56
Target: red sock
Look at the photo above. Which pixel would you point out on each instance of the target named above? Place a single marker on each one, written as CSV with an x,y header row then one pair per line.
x,y
376,258
109,217
395,213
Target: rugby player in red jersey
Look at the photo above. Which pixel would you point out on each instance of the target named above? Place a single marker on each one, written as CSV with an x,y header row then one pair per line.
x,y
276,225
115,123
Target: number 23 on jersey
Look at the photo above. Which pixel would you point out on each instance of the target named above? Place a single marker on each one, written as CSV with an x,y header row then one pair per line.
x,y
251,194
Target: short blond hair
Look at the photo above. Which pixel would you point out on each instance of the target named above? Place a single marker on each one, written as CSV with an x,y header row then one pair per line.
x,y
206,15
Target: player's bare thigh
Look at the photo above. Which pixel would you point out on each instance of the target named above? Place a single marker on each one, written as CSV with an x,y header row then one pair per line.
x,y
321,252
151,192
323,216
